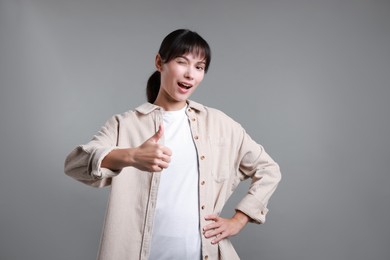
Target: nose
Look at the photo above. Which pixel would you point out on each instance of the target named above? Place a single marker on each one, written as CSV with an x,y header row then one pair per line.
x,y
188,73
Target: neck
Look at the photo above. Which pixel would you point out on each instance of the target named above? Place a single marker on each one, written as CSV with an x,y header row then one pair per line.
x,y
170,106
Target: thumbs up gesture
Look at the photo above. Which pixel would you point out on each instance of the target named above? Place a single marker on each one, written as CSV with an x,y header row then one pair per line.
x,y
151,156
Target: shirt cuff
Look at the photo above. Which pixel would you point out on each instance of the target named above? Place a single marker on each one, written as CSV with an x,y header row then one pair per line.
x,y
95,164
253,208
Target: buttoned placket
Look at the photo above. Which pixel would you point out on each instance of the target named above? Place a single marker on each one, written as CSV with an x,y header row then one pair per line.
x,y
155,181
200,144
202,161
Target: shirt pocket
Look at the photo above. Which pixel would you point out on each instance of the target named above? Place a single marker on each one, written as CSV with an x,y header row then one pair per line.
x,y
219,148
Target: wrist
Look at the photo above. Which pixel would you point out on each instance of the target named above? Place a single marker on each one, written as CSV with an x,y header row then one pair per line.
x,y
130,157
118,159
241,217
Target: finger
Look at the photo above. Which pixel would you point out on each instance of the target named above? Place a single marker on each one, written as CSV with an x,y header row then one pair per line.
x,y
214,232
160,165
217,235
158,162
211,226
159,155
211,217
156,137
165,158
218,238
156,168
166,150
163,165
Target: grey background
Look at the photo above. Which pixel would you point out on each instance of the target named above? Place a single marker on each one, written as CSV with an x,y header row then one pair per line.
x,y
308,79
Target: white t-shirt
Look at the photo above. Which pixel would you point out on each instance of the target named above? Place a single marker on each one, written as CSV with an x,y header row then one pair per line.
x,y
176,233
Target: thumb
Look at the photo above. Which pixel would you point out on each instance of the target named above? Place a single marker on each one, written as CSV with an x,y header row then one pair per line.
x,y
156,137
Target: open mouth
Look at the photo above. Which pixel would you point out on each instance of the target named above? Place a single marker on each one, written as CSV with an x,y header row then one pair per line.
x,y
184,85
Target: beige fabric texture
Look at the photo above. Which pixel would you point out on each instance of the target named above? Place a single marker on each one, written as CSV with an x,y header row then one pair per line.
x,y
226,156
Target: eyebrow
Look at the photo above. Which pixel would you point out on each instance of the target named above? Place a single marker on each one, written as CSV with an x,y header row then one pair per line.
x,y
199,62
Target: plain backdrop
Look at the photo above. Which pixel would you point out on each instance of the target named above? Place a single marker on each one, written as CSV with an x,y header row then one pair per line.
x,y
308,79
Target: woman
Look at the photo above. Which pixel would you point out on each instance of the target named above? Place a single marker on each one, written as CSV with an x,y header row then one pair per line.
x,y
172,164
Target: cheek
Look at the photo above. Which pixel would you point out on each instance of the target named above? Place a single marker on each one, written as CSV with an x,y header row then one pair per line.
x,y
172,74
200,77
167,76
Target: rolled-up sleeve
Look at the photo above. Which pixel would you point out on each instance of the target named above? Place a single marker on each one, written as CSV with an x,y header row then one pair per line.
x,y
265,173
84,162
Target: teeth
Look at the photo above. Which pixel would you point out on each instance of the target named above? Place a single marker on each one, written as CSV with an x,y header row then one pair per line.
x,y
185,85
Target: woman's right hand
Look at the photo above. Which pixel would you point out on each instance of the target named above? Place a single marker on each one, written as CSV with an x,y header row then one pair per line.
x,y
150,156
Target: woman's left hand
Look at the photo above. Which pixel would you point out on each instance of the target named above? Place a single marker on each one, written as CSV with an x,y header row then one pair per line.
x,y
224,227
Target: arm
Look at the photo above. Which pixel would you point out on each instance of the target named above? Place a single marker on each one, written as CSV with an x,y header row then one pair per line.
x,y
254,163
99,160
150,156
84,162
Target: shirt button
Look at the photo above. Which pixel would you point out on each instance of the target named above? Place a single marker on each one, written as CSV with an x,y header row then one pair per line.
x,y
202,207
196,137
193,119
202,183
189,110
202,157
206,257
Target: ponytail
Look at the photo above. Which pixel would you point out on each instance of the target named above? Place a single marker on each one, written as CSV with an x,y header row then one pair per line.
x,y
153,86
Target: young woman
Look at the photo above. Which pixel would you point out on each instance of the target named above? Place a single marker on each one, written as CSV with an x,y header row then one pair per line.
x,y
172,164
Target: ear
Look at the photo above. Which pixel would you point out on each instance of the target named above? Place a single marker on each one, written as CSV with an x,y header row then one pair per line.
x,y
158,62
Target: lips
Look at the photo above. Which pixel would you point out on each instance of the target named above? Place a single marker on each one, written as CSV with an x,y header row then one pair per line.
x,y
184,85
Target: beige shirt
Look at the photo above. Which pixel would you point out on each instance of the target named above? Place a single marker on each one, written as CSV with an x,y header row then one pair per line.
x,y
226,156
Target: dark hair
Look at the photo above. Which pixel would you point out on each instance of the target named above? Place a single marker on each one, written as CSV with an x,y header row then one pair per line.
x,y
175,44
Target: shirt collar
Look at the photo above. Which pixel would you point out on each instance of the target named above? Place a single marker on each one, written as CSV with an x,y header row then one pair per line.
x,y
147,108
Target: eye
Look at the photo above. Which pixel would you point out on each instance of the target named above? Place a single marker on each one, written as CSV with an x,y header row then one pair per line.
x,y
180,61
201,66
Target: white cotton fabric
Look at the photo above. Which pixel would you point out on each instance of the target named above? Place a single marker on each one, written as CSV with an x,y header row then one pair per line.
x,y
176,233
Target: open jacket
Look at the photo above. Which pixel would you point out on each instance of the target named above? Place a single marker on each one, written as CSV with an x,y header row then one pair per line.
x,y
226,156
